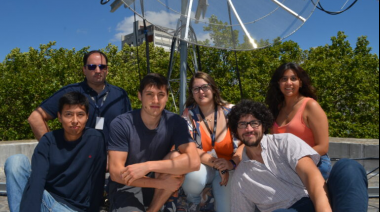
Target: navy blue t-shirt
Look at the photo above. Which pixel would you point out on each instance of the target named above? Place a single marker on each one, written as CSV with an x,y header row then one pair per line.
x,y
111,102
72,172
129,134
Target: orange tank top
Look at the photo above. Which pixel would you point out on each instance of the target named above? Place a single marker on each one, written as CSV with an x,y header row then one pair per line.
x,y
297,126
224,149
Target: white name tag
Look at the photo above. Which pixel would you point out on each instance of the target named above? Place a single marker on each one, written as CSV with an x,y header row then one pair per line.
x,y
99,123
213,153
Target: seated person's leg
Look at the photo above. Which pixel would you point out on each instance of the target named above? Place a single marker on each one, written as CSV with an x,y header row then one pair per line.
x,y
222,194
17,170
195,182
161,196
348,187
303,205
49,204
127,199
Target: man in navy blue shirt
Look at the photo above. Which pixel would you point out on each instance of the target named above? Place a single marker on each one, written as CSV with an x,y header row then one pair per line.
x,y
106,101
68,165
144,172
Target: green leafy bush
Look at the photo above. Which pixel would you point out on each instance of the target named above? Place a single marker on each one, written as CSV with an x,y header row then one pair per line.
x,y
347,79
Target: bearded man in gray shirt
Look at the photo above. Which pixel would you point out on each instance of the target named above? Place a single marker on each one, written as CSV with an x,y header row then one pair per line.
x,y
279,173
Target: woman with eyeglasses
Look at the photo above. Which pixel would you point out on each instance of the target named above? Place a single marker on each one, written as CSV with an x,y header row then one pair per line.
x,y
292,100
206,114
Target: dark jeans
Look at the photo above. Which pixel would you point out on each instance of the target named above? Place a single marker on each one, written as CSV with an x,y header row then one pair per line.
x,y
347,187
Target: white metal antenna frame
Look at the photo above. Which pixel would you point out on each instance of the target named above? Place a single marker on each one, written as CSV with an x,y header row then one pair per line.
x,y
185,20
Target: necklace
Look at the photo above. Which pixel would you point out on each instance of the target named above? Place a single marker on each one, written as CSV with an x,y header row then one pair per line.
x,y
209,119
288,113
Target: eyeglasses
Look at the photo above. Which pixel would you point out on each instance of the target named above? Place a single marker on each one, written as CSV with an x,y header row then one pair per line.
x,y
92,67
253,124
204,88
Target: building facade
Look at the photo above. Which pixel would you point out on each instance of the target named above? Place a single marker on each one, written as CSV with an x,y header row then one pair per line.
x,y
156,35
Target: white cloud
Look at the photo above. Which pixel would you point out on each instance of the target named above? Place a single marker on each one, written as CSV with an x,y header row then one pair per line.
x,y
124,27
203,37
161,18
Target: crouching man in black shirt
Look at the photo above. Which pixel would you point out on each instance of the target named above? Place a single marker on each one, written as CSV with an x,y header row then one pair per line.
x,y
68,165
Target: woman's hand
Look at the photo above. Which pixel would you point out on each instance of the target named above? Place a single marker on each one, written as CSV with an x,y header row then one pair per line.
x,y
225,175
222,164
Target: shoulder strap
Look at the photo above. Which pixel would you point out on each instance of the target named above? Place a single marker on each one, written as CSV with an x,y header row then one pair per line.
x,y
195,122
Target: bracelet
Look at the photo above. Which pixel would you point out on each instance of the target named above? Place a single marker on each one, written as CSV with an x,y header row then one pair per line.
x,y
233,164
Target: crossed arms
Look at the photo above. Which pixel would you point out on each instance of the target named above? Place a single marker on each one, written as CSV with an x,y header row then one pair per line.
x,y
175,164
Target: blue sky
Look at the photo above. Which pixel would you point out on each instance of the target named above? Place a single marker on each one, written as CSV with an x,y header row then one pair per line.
x,y
81,23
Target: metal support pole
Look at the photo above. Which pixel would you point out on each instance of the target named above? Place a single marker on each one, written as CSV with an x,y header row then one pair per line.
x,y
185,21
183,76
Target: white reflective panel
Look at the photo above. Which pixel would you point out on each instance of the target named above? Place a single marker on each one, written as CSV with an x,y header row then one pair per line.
x,y
226,24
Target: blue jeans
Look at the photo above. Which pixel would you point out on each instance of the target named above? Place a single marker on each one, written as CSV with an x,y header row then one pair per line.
x,y
17,170
347,187
195,182
324,166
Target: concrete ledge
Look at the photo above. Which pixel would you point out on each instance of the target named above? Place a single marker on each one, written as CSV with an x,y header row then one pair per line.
x,y
356,148
8,148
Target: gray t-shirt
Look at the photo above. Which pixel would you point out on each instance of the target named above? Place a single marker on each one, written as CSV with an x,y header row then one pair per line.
x,y
274,184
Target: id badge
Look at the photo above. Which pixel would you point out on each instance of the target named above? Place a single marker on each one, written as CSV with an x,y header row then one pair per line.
x,y
99,123
213,153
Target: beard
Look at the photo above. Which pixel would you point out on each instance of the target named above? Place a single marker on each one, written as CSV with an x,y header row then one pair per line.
x,y
253,143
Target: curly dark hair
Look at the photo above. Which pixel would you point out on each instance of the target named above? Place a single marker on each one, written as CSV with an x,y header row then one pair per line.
x,y
249,107
275,98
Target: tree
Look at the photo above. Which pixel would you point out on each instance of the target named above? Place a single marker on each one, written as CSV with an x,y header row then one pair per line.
x,y
347,79
348,83
221,33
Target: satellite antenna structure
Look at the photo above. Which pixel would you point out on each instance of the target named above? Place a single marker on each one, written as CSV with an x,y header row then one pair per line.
x,y
238,25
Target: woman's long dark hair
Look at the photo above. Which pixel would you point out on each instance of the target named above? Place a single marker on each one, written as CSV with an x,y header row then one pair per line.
x,y
275,98
206,77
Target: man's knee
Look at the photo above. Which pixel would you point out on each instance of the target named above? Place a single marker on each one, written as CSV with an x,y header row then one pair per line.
x,y
16,163
347,167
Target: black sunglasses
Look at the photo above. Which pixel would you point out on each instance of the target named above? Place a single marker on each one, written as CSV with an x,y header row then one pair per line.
x,y
92,67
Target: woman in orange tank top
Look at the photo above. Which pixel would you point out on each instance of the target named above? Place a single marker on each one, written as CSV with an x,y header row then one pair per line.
x,y
206,114
292,100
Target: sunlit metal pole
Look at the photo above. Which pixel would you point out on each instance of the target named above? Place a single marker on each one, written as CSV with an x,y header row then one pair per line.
x,y
185,21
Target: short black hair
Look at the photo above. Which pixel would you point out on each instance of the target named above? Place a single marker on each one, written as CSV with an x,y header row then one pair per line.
x,y
154,79
87,55
249,107
73,98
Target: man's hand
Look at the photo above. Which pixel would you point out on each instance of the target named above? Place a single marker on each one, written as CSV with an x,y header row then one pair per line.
x,y
134,172
225,177
172,183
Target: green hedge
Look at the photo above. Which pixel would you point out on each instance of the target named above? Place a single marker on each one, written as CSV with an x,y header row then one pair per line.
x,y
347,79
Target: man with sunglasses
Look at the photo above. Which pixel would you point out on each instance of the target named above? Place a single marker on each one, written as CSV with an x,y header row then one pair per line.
x,y
278,172
106,101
